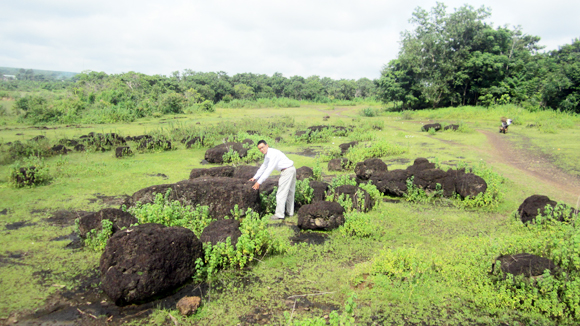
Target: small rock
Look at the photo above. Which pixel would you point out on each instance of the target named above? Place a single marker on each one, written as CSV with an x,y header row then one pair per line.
x,y
188,305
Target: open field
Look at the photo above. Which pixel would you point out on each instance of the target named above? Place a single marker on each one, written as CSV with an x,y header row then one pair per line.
x,y
448,250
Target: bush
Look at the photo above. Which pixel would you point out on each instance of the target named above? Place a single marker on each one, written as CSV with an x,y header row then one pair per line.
x,y
304,193
97,240
30,172
369,112
168,213
268,202
357,224
381,148
256,240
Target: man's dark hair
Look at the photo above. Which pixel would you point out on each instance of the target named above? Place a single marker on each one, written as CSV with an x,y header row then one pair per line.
x,y
262,142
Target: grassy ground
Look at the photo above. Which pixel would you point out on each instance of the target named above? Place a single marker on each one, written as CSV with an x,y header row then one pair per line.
x,y
450,244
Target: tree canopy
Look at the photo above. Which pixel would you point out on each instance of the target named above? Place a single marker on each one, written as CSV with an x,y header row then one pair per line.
x,y
457,58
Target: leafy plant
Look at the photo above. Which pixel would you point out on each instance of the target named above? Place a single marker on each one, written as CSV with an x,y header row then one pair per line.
x,y
97,240
268,202
256,240
304,193
357,224
32,171
369,112
380,148
172,213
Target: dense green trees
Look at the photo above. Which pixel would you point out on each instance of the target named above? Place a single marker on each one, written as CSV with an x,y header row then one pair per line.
x,y
452,59
97,97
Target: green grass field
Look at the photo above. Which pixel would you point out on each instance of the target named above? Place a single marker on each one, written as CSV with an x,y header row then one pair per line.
x,y
425,264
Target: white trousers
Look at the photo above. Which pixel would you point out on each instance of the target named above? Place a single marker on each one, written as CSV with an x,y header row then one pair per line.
x,y
285,194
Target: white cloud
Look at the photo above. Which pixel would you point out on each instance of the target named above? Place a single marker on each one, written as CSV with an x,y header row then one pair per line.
x,y
339,39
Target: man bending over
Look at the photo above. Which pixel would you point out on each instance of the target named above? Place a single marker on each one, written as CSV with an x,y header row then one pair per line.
x,y
276,160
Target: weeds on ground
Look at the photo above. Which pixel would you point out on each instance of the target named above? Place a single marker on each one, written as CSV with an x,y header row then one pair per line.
x,y
380,148
172,213
304,193
357,224
369,112
97,240
334,318
30,172
317,170
255,241
268,202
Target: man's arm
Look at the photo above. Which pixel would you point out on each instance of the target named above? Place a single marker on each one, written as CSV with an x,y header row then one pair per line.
x,y
261,169
272,162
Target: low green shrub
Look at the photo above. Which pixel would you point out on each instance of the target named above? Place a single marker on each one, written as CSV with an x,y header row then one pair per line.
x,y
380,148
317,170
97,240
358,225
304,193
268,202
172,213
255,241
369,112
30,172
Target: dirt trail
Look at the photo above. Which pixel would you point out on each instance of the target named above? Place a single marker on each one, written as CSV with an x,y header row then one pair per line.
x,y
533,163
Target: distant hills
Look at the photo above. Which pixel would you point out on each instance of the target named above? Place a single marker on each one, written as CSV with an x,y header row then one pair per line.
x,y
36,74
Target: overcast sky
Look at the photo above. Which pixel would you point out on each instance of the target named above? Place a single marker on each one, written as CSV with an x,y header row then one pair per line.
x,y
338,39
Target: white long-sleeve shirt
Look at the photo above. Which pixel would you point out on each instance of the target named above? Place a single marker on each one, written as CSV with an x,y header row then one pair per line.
x,y
273,160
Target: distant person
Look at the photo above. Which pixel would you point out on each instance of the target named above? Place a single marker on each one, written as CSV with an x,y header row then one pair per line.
x,y
276,160
505,123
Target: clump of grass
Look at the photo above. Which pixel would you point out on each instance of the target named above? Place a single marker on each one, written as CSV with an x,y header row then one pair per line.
x,y
380,148
369,112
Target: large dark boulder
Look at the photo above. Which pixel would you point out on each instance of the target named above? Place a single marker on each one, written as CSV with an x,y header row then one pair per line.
x,y
218,171
245,172
215,154
451,127
429,178
365,169
436,126
149,144
320,188
123,151
59,149
190,142
304,173
533,206
25,176
338,164
360,198
220,194
419,164
94,221
321,215
391,183
148,260
219,231
80,148
526,264
346,146
469,184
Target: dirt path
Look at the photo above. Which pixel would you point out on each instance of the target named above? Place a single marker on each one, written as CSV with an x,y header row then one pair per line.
x,y
534,163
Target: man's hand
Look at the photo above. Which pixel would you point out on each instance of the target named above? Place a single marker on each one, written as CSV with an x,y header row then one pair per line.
x,y
252,180
256,186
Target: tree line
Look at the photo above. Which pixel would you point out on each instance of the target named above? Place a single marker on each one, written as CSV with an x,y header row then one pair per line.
x,y
452,59
448,59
